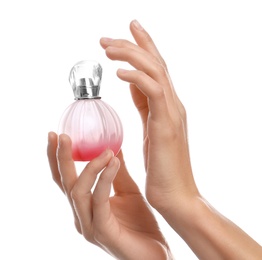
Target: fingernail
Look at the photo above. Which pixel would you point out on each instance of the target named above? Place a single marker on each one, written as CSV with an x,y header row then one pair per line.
x,y
106,39
137,25
122,71
105,153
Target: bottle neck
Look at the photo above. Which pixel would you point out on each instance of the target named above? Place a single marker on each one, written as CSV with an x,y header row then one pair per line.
x,y
83,98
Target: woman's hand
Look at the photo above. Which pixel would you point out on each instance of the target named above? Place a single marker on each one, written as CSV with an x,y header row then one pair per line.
x,y
122,225
170,186
166,155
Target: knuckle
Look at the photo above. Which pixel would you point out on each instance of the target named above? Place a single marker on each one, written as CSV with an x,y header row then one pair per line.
x,y
160,69
89,236
75,194
78,227
65,188
56,179
170,135
159,92
163,63
177,125
93,167
183,112
140,76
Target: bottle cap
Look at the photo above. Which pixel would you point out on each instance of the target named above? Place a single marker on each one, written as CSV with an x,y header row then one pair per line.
x,y
85,78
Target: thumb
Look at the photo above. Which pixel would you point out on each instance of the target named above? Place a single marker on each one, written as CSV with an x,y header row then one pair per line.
x,y
123,182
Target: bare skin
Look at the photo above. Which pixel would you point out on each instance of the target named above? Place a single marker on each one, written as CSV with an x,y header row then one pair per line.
x,y
122,225
170,185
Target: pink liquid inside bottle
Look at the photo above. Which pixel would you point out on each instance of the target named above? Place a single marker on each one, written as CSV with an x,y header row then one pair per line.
x,y
92,124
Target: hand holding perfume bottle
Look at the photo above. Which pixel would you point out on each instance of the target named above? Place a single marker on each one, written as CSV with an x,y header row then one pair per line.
x,y
92,124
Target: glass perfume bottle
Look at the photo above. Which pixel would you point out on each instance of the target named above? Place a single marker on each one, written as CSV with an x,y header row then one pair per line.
x,y
92,124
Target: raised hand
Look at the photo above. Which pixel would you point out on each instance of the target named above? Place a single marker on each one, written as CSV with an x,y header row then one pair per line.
x,y
166,153
170,186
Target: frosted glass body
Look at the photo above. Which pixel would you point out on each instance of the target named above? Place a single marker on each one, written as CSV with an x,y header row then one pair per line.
x,y
93,126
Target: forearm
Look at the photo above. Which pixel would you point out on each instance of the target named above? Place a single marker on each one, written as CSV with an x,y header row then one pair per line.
x,y
209,234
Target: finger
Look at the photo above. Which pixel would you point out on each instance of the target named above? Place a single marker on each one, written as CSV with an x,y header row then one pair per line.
x,y
153,69
140,61
81,193
67,171
144,40
51,154
101,205
144,57
121,43
140,101
156,94
123,183
66,163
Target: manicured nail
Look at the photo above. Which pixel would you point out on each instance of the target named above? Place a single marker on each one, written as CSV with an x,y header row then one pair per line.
x,y
106,153
138,25
106,39
122,71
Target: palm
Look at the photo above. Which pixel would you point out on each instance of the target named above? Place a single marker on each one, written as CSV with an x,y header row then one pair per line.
x,y
123,225
133,214
131,220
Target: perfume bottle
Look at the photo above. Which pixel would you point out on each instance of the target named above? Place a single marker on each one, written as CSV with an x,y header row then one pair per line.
x,y
92,124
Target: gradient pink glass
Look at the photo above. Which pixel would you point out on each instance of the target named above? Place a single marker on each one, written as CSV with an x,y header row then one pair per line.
x,y
92,124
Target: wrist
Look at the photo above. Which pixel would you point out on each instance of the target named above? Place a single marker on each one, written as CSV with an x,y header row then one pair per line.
x,y
173,200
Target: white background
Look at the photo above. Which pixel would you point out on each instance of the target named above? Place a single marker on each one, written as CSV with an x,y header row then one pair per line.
x,y
213,51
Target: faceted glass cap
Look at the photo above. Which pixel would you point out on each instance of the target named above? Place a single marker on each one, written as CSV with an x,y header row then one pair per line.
x,y
85,78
